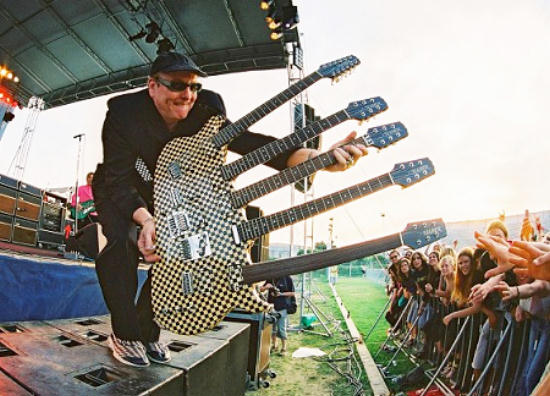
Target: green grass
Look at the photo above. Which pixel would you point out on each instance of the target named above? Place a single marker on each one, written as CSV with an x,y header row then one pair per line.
x,y
310,377
364,300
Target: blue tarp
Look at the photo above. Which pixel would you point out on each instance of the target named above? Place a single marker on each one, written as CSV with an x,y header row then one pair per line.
x,y
32,290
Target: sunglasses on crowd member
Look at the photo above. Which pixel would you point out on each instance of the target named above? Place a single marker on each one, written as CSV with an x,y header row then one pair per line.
x,y
179,86
394,257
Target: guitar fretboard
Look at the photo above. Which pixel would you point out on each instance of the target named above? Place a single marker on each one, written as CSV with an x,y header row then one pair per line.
x,y
287,176
230,132
310,262
277,147
254,228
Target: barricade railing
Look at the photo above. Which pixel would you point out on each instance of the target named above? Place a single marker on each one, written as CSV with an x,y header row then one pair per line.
x,y
504,354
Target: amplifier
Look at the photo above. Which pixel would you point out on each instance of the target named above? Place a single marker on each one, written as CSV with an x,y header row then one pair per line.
x,y
24,232
8,197
5,227
28,206
32,190
52,217
260,248
8,182
50,239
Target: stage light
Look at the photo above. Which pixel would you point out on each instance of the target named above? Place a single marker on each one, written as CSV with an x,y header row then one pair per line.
x,y
154,31
164,45
276,34
3,72
265,4
138,35
272,14
9,75
1,95
16,79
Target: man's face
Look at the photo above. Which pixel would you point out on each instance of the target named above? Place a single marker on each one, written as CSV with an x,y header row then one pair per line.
x,y
394,257
173,106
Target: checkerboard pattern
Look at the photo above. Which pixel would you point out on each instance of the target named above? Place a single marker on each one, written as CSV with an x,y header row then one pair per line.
x,y
217,278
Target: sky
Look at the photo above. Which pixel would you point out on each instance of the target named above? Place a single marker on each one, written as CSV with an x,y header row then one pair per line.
x,y
468,79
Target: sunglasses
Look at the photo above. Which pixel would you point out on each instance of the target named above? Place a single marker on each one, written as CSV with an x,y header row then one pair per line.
x,y
394,257
178,86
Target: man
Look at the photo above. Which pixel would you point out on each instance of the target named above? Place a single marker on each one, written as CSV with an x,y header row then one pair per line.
x,y
84,211
139,125
280,292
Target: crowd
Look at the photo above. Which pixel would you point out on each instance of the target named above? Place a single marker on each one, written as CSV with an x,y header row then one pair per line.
x,y
480,313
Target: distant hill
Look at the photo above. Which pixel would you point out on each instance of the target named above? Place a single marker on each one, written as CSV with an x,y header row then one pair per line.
x,y
463,231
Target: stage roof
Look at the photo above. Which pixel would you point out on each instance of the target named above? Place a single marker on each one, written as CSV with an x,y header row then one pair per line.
x,y
70,50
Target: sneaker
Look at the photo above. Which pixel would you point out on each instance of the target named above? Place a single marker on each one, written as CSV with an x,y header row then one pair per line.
x,y
158,352
131,353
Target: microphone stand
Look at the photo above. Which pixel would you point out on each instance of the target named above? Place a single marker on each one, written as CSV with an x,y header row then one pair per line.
x,y
79,137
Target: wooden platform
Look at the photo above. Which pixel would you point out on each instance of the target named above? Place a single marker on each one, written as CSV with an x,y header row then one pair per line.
x,y
71,357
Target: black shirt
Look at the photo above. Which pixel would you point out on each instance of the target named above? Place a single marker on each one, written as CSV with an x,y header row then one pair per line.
x,y
134,128
284,284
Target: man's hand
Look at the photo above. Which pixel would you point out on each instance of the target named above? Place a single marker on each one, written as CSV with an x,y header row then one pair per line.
x,y
346,153
146,242
447,319
498,249
535,262
506,291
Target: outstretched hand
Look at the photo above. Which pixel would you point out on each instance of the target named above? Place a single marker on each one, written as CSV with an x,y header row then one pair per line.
x,y
498,249
533,261
346,153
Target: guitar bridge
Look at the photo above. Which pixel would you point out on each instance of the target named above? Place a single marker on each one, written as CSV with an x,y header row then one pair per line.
x,y
187,283
178,223
195,247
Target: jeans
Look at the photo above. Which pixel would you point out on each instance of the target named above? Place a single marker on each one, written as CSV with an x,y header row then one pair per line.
x,y
538,351
279,327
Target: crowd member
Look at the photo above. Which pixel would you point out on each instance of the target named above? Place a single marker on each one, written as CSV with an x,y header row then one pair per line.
x,y
394,289
419,273
279,293
138,125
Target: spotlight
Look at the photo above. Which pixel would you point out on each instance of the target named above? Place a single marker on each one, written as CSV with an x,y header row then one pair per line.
x,y
164,45
265,4
3,72
272,14
138,35
154,31
9,75
16,79
276,33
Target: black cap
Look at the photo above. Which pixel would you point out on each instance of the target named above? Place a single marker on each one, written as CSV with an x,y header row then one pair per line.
x,y
172,61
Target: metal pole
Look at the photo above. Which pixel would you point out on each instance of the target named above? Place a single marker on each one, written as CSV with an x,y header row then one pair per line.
x,y
492,358
376,321
447,357
392,331
79,137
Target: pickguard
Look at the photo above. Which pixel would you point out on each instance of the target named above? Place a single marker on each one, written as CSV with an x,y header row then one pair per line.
x,y
199,277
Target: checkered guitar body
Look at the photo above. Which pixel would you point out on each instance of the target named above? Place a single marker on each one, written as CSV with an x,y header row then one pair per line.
x,y
199,277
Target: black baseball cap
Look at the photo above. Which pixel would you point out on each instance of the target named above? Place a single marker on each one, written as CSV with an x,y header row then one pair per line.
x,y
173,61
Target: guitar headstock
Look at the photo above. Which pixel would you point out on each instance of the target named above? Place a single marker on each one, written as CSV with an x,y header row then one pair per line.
x,y
408,173
366,108
422,233
338,67
384,135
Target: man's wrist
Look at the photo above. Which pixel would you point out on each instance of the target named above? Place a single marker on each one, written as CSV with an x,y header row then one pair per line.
x,y
149,219
517,293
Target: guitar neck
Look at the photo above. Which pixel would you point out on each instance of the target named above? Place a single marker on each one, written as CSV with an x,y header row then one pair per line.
x,y
287,176
277,147
230,132
310,262
254,228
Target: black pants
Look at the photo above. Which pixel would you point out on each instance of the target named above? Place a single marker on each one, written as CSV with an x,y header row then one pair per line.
x,y
116,268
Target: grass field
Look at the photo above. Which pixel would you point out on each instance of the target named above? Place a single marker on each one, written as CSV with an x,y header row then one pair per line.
x,y
364,300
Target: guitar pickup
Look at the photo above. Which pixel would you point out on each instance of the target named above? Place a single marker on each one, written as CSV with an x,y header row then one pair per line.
x,y
187,283
178,223
235,277
195,247
174,169
176,196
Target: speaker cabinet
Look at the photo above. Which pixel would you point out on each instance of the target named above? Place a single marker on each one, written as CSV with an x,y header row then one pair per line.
x,y
260,249
5,227
8,199
8,182
50,239
31,190
24,232
28,206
